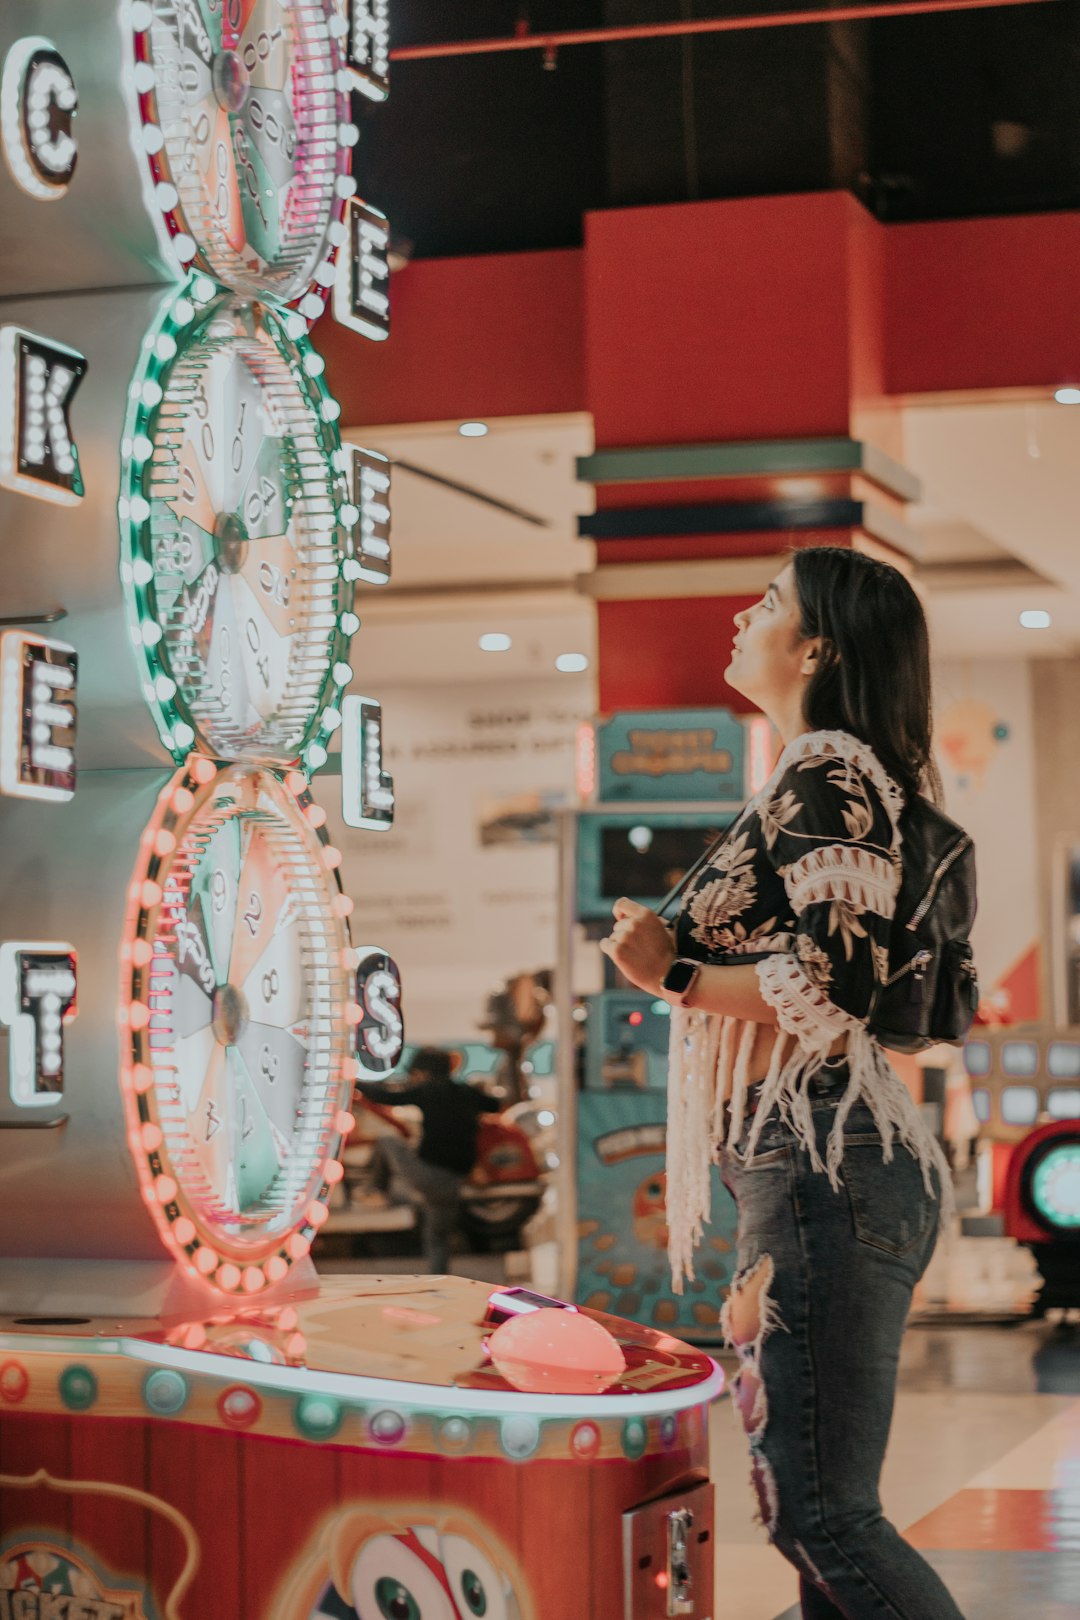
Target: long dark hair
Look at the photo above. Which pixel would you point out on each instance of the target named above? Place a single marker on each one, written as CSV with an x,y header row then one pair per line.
x,y
873,675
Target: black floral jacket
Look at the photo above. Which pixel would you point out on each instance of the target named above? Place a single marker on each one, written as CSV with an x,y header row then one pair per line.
x,y
807,877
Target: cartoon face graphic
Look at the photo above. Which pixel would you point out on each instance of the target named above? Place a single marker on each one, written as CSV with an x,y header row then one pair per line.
x,y
419,1575
376,1566
650,1212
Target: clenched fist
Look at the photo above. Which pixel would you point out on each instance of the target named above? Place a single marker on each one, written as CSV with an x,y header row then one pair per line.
x,y
640,945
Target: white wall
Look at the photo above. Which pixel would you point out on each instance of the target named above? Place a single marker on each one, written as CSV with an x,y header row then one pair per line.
x,y
459,915
990,788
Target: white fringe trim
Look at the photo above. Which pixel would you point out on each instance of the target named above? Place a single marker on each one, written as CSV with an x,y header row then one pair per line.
x,y
695,1118
710,1056
705,1084
843,872
802,1007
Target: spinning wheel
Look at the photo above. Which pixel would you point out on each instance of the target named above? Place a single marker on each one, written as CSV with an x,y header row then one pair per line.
x,y
239,565
244,115
236,961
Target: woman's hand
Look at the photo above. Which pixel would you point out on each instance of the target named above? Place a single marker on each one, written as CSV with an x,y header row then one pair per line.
x,y
640,945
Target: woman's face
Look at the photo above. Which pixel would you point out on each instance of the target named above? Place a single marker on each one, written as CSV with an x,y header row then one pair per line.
x,y
770,660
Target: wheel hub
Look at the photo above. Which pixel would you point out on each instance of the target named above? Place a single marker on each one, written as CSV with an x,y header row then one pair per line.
x,y
231,81
230,1014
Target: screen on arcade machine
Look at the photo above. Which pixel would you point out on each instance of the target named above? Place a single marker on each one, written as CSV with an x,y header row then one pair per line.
x,y
642,854
647,861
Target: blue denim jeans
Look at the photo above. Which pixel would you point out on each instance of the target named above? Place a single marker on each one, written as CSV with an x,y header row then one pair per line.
x,y
816,1315
435,1191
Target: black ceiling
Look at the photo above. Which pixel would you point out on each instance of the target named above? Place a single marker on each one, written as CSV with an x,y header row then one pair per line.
x,y
922,117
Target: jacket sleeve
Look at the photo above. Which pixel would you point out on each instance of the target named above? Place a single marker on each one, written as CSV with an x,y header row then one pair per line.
x,y
827,833
388,1093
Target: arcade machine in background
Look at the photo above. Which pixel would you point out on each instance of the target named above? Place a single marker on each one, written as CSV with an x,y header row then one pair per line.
x,y
666,784
1025,1088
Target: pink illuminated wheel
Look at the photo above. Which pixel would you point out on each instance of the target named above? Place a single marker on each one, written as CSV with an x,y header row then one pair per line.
x,y
235,967
243,113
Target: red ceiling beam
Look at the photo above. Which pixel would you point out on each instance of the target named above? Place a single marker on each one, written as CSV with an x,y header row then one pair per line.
x,y
525,41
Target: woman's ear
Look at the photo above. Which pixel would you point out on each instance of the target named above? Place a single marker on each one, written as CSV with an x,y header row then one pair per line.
x,y
812,657
819,651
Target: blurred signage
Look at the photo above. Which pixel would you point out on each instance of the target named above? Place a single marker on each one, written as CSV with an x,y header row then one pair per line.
x,y
41,1577
671,754
622,1263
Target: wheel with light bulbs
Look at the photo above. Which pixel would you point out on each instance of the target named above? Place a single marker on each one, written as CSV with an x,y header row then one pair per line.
x,y
237,552
236,1075
243,114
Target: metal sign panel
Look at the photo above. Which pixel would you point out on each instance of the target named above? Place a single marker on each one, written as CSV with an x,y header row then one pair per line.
x,y
683,754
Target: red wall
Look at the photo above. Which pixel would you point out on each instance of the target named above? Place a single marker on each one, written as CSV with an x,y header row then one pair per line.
x,y
748,319
723,320
494,336
982,303
718,320
643,649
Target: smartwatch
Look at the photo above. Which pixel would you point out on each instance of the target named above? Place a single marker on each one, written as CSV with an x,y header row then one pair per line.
x,y
681,977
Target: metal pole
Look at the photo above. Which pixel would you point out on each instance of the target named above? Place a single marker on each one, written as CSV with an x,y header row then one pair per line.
x,y
708,25
567,1095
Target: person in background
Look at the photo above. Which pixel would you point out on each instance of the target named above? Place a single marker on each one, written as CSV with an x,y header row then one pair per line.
x,y
434,1171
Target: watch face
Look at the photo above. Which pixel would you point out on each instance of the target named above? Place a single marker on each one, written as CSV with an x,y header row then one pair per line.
x,y
238,568
243,113
236,963
680,975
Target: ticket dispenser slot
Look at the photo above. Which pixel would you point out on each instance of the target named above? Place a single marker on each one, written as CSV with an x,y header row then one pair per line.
x,y
680,1587
668,1556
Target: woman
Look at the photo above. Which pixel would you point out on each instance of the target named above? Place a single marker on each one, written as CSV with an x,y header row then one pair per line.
x,y
838,1182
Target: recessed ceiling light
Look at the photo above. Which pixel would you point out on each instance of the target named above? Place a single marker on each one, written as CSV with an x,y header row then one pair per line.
x,y
495,642
1067,396
1035,619
473,430
571,663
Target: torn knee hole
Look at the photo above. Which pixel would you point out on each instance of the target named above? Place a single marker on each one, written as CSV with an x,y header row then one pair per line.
x,y
764,1482
749,1311
749,1399
749,1315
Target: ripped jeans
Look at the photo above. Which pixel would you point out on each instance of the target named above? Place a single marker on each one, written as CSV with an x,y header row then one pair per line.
x,y
816,1315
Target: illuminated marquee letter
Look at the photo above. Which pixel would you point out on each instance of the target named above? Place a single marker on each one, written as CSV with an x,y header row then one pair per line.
x,y
362,285
367,793
38,379
38,982
369,47
37,717
371,499
380,1034
38,102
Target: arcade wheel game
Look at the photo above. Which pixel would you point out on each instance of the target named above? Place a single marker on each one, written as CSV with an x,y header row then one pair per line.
x,y
357,1454
191,1422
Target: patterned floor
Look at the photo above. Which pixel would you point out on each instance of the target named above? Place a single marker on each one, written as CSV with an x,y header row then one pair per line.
x,y
983,1475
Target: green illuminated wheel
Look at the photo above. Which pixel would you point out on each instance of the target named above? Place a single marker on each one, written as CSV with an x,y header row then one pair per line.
x,y
1054,1185
237,557
242,110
